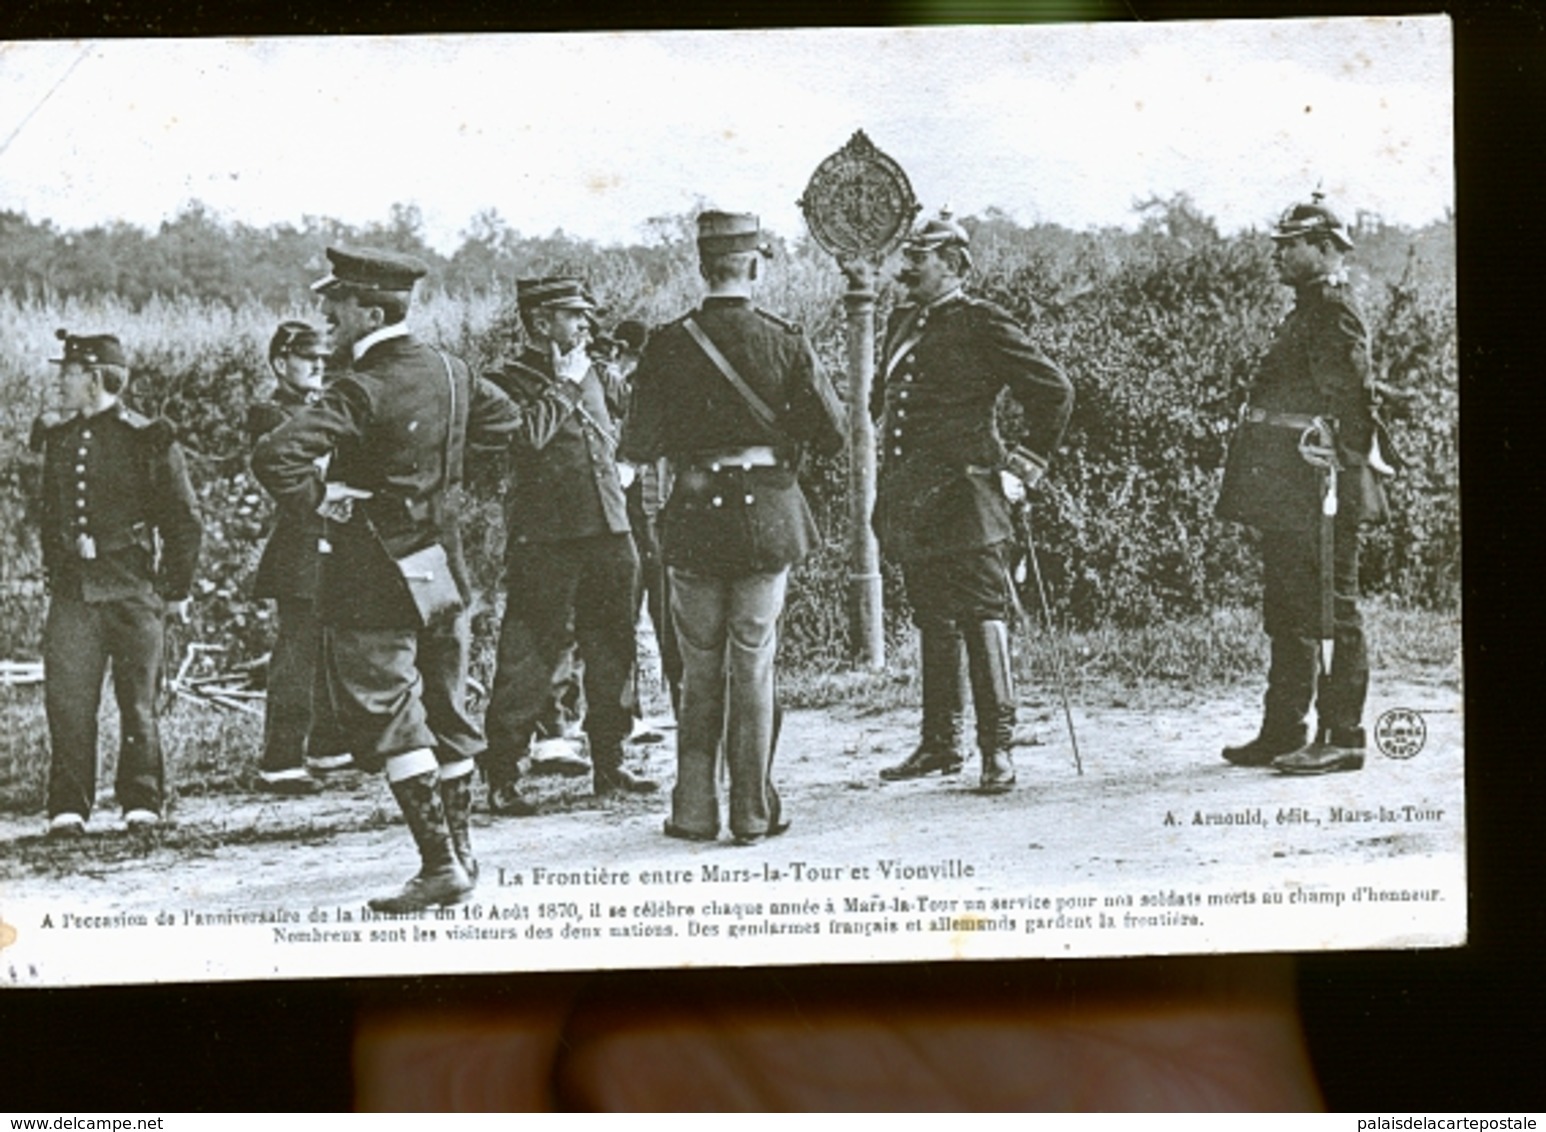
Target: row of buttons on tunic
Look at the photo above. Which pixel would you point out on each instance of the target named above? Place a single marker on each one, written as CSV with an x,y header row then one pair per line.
x,y
80,470
902,413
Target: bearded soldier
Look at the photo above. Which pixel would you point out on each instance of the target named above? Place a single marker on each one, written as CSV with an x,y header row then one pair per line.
x,y
942,508
1301,470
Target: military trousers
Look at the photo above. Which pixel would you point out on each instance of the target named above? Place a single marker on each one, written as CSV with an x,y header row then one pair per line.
x,y
81,641
727,629
565,598
1291,609
397,690
297,722
963,587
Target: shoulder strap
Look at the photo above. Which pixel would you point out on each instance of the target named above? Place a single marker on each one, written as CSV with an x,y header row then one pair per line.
x,y
445,464
756,404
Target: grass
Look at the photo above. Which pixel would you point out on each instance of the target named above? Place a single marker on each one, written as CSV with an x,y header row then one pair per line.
x,y
1131,667
215,752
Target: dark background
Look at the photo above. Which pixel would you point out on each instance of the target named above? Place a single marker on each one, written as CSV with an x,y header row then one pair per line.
x,y
1456,1030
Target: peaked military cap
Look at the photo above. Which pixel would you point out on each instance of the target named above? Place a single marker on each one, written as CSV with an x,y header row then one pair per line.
x,y
1310,218
556,292
632,334
299,338
940,232
371,270
90,350
723,232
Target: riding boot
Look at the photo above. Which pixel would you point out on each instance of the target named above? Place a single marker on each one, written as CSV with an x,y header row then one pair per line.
x,y
456,797
941,663
1290,689
441,878
993,700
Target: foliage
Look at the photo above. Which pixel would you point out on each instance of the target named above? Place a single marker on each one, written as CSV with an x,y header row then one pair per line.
x,y
1159,329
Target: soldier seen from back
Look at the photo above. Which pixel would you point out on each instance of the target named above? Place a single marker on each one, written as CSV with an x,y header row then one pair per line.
x,y
732,397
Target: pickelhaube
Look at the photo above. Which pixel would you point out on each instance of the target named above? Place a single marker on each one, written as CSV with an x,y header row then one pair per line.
x,y
1310,218
371,269
942,231
90,350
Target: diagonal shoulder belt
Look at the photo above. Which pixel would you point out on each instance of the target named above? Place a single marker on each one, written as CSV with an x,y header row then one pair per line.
x,y
760,408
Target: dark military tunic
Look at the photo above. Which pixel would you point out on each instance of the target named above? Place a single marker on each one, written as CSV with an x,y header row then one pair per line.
x,y
289,566
944,368
722,518
398,427
120,535
1317,366
119,480
564,481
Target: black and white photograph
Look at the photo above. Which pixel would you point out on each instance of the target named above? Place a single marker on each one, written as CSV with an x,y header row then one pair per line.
x,y
794,497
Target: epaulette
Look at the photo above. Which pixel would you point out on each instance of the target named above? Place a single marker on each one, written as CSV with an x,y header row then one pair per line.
x,y
779,321
44,424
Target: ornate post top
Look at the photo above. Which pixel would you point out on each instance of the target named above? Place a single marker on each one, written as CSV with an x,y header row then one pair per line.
x,y
859,204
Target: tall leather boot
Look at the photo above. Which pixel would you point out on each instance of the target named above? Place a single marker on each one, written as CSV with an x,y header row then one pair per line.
x,y
1290,688
456,798
441,878
941,663
993,700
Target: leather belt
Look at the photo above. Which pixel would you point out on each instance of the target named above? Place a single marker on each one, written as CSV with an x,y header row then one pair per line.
x,y
755,456
1301,421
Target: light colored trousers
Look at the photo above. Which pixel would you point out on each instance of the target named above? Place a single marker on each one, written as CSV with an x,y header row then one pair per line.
x,y
728,632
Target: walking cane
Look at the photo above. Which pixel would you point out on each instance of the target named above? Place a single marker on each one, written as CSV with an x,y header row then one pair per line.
x,y
1052,636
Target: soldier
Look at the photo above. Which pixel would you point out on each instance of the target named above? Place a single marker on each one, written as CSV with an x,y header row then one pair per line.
x,y
296,739
731,396
943,506
570,563
1306,445
394,588
644,496
120,541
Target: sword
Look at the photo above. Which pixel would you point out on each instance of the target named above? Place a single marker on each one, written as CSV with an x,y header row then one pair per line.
x,y
1317,446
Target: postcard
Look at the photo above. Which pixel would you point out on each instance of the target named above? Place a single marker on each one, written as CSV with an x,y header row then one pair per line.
x,y
637,500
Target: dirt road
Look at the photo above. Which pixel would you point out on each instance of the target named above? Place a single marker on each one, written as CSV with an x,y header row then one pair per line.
x,y
1156,827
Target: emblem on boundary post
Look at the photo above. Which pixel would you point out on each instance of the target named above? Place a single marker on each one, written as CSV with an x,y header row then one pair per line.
x,y
859,203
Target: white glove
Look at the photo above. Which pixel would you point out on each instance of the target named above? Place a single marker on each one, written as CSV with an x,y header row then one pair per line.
x,y
626,474
1012,486
572,366
338,502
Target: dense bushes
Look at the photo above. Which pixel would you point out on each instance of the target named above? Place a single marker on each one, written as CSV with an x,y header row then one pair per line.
x,y
1159,331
